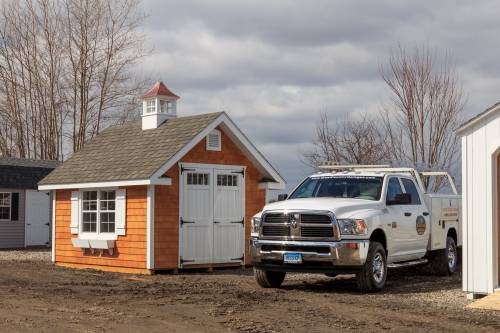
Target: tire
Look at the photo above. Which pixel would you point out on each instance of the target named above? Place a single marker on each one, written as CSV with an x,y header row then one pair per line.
x,y
268,279
373,275
444,262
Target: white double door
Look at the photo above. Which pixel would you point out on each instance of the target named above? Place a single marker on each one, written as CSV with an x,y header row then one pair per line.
x,y
212,214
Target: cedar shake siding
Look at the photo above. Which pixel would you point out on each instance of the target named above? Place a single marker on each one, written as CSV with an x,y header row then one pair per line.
x,y
167,199
130,251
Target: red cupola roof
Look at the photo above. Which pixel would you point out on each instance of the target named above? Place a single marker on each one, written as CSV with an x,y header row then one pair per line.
x,y
160,89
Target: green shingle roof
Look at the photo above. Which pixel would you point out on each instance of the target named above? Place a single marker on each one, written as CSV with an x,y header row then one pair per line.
x,y
127,152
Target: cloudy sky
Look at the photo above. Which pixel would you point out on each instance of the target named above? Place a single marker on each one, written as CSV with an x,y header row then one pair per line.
x,y
274,66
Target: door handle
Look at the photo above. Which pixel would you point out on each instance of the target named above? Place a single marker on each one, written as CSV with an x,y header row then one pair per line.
x,y
394,224
216,222
425,213
407,214
47,224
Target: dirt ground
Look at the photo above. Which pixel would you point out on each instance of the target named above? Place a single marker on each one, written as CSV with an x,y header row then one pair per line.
x,y
36,296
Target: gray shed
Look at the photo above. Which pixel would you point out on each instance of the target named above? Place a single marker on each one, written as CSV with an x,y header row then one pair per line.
x,y
25,212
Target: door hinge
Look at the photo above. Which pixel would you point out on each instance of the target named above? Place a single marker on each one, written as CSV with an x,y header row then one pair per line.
x,y
239,222
242,172
186,169
186,222
238,259
186,260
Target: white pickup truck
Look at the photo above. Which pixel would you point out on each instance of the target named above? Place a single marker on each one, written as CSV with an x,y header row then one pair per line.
x,y
357,220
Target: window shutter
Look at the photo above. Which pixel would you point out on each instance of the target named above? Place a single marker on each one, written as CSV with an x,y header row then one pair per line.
x,y
75,212
121,212
14,207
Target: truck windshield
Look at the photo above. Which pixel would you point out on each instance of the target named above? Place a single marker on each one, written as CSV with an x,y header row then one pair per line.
x,y
357,187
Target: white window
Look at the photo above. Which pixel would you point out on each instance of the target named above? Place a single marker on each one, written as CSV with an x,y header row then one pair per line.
x,y
214,140
5,204
98,211
151,106
166,106
197,178
227,180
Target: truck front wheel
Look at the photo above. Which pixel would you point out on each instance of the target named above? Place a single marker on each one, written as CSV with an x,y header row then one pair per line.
x,y
269,279
373,275
444,262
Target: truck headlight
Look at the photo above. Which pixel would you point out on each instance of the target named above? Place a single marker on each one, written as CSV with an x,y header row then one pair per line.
x,y
256,224
352,227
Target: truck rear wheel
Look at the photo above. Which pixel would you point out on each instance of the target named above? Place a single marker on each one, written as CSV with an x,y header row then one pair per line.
x,y
269,279
373,275
444,262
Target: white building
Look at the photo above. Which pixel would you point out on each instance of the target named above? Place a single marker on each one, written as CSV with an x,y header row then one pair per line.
x,y
481,201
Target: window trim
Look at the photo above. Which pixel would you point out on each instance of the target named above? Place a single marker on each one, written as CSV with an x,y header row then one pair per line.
x,y
219,139
97,234
9,206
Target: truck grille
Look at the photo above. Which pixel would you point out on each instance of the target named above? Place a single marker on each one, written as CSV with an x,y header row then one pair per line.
x,y
315,219
276,218
276,230
310,226
323,232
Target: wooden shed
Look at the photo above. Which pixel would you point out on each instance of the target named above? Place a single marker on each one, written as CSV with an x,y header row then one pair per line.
x,y
481,201
162,193
24,211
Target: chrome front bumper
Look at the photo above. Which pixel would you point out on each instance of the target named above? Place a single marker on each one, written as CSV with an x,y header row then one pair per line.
x,y
347,253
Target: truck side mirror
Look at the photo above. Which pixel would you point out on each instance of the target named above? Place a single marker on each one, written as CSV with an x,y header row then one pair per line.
x,y
400,199
282,197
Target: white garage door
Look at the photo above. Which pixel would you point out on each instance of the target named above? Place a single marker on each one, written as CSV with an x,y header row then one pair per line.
x,y
37,218
212,222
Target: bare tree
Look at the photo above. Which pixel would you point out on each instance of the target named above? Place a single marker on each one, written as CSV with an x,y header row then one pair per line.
x,y
66,72
353,140
424,110
103,44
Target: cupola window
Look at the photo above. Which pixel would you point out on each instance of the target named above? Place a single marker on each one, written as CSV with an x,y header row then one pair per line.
x,y
151,106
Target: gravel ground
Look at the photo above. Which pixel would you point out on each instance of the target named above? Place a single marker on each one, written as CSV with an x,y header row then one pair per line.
x,y
41,254
36,296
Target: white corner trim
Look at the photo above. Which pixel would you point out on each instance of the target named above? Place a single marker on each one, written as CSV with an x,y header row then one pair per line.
x,y
152,181
53,240
236,132
150,218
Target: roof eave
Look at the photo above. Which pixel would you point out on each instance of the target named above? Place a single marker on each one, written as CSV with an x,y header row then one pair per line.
x,y
478,118
104,184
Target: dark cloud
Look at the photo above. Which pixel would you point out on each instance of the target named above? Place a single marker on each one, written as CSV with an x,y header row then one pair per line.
x,y
274,66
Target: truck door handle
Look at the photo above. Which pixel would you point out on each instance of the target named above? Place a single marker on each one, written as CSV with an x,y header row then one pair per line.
x,y
425,213
216,222
407,214
394,224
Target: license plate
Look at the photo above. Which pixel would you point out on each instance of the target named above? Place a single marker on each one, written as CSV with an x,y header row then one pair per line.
x,y
292,258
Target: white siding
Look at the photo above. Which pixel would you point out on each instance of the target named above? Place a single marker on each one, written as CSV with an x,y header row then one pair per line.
x,y
12,232
479,146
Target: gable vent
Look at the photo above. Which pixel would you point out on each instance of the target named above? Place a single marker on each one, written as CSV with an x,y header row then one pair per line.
x,y
214,140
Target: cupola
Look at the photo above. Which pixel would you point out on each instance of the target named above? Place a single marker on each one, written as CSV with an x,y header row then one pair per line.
x,y
158,105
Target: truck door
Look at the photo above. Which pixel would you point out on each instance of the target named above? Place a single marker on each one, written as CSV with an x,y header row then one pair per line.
x,y
417,220
395,220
